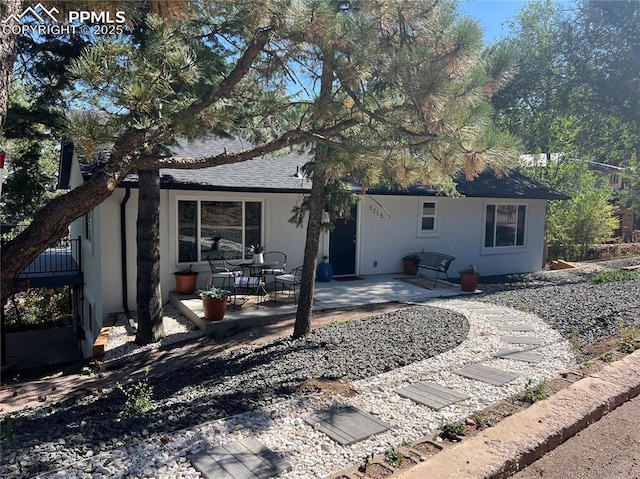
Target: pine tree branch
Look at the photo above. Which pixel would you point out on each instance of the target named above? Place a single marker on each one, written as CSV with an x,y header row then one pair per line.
x,y
290,138
243,65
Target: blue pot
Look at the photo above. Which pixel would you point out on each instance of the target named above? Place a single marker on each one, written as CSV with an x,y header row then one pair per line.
x,y
325,272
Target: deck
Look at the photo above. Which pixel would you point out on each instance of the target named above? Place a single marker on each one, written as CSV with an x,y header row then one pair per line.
x,y
57,266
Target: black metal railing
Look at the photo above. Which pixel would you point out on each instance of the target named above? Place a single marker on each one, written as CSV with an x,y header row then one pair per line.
x,y
63,257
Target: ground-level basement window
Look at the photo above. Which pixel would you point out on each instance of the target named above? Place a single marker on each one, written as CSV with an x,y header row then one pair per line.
x,y
230,227
505,225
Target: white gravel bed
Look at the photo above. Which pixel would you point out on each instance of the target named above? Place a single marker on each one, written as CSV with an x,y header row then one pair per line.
x,y
176,327
280,426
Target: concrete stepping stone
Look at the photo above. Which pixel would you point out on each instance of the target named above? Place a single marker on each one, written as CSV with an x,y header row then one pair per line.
x,y
516,327
247,458
346,425
520,340
525,356
431,394
499,318
483,310
486,374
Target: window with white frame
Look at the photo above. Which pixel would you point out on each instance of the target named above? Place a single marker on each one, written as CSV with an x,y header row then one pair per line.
x,y
230,227
505,225
427,217
614,179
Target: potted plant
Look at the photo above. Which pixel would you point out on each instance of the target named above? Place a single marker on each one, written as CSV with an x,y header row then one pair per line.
x,y
186,280
214,302
411,262
469,278
325,270
216,243
258,253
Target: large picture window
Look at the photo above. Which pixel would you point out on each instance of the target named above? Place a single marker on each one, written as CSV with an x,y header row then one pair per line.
x,y
505,225
230,227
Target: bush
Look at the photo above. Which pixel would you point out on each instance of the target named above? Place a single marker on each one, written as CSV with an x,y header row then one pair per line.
x,y
39,309
138,397
610,276
534,392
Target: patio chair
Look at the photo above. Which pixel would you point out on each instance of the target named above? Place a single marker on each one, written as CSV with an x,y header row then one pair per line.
x,y
255,283
276,270
222,268
291,280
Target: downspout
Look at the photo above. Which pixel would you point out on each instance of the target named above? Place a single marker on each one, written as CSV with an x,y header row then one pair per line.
x,y
123,247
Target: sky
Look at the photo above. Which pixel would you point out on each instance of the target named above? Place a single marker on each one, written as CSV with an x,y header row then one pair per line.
x,y
492,14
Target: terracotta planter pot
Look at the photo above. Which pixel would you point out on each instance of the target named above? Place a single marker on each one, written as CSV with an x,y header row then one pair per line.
x,y
469,281
186,283
410,268
214,308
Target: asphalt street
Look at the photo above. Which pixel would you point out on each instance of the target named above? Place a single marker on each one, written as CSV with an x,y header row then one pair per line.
x,y
607,449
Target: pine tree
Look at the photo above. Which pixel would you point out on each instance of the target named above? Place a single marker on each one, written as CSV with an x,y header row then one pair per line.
x,y
415,82
390,92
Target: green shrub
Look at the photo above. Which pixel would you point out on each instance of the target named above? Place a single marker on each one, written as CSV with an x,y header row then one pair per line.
x,y
138,397
610,276
394,457
630,340
39,308
451,431
607,357
534,392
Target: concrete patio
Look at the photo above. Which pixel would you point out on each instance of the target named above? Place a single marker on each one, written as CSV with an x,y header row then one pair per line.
x,y
372,289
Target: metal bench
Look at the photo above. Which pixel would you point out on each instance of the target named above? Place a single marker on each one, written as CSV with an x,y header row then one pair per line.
x,y
437,262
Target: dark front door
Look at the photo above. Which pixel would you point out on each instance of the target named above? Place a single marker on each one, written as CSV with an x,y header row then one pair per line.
x,y
342,245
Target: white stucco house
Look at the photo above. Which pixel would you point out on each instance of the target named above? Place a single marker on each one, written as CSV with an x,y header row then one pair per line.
x,y
498,225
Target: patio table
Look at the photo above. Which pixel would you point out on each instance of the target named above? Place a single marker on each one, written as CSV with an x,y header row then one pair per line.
x,y
255,269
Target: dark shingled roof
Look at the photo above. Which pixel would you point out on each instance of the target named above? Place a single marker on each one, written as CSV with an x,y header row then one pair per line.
x,y
266,173
486,185
276,174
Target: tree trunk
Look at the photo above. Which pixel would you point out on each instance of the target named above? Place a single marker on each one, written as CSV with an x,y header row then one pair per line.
x,y
7,57
302,326
149,298
7,53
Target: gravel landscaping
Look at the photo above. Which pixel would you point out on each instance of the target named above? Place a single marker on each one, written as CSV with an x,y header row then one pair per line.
x,y
50,438
376,355
569,302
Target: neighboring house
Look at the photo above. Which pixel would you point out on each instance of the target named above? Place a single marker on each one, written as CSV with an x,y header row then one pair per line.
x,y
607,174
498,225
